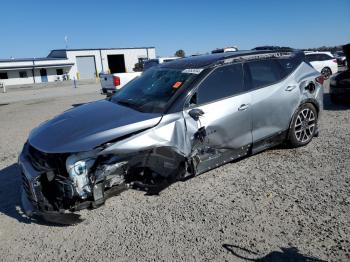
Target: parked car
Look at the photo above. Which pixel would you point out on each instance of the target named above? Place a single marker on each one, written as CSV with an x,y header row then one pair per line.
x,y
274,48
339,87
341,58
323,62
157,61
111,83
177,120
225,50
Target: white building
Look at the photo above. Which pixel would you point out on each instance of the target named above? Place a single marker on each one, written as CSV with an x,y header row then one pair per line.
x,y
74,63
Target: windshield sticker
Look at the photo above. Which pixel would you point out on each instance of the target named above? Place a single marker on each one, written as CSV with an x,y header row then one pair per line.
x,y
177,85
195,71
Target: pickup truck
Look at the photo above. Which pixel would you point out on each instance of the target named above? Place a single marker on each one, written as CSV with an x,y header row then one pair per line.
x,y
111,83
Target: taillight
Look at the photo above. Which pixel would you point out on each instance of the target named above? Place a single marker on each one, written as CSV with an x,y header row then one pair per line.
x,y
320,79
116,80
335,60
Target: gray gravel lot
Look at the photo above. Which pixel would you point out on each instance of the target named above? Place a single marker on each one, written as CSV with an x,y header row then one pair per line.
x,y
280,204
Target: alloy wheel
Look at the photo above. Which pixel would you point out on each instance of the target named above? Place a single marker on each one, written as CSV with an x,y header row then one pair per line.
x,y
326,72
305,125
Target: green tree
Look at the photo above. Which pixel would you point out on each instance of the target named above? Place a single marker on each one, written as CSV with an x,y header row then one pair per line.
x,y
180,53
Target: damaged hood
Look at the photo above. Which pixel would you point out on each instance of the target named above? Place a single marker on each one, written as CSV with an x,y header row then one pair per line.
x,y
88,126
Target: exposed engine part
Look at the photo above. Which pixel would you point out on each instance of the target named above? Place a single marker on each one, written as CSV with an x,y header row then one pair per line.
x,y
78,166
113,174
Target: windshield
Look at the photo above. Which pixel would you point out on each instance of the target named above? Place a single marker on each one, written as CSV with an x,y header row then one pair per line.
x,y
153,89
150,63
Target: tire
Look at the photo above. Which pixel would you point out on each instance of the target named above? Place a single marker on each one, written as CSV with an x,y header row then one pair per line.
x,y
326,72
303,126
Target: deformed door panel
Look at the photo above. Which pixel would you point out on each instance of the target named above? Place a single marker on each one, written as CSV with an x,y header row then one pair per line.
x,y
227,123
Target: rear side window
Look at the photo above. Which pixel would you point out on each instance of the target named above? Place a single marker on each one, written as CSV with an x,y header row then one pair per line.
x,y
325,57
289,64
264,72
313,57
222,82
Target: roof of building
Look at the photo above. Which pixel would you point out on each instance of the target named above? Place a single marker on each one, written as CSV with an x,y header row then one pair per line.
x,y
30,59
202,61
108,48
51,57
62,65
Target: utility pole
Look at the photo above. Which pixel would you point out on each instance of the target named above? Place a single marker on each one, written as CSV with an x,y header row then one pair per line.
x,y
33,71
66,41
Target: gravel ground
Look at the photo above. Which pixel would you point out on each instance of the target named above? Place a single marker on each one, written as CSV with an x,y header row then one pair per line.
x,y
278,205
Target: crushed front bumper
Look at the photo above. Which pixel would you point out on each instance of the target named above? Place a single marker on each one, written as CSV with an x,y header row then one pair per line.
x,y
31,196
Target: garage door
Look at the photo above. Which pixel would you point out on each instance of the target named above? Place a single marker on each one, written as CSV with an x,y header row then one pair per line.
x,y
86,67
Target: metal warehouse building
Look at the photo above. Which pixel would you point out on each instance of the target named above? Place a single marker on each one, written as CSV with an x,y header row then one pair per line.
x,y
72,63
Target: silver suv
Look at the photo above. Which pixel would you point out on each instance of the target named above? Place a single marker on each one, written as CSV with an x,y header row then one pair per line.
x,y
175,121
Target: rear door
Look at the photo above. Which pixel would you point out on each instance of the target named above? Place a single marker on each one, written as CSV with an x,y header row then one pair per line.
x,y
226,107
273,99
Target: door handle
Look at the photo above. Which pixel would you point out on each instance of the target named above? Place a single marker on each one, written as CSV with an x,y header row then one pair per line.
x,y
243,107
290,88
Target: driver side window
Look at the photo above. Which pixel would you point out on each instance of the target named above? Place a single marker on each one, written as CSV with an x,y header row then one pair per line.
x,y
221,83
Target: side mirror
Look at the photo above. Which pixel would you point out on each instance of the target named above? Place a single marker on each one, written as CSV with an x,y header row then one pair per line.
x,y
196,113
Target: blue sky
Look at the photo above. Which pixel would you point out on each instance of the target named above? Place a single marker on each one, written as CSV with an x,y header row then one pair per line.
x,y
31,28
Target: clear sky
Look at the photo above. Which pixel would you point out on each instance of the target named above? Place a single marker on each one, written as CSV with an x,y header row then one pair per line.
x,y
31,28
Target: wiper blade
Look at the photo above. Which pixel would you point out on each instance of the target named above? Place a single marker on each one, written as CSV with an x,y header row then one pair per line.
x,y
128,103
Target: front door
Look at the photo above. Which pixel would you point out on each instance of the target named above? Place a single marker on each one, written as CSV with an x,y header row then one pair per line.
x,y
43,74
225,105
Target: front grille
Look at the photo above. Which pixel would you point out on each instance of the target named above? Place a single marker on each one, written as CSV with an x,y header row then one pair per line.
x,y
44,162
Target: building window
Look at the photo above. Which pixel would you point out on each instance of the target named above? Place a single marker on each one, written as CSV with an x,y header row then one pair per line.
x,y
59,71
3,76
23,74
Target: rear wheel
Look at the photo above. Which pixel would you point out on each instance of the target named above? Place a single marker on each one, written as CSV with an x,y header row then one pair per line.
x,y
326,72
303,126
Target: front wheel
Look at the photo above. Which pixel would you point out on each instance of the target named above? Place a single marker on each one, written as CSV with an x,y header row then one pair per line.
x,y
303,126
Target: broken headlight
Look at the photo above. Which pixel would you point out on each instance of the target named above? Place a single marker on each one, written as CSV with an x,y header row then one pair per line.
x,y
78,166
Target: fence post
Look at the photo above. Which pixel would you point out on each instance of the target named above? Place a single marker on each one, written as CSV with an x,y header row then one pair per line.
x,y
2,85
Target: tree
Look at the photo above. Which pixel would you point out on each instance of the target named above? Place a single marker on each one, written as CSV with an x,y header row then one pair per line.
x,y
180,53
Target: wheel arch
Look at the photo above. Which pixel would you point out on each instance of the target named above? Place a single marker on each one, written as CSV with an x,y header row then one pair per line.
x,y
311,101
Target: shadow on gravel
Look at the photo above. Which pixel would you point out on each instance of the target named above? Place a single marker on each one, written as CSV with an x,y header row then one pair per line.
x,y
10,193
287,254
330,106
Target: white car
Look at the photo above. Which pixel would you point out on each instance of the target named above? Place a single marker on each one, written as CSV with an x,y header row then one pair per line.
x,y
323,62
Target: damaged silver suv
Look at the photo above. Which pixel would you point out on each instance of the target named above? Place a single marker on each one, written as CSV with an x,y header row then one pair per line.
x,y
175,121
